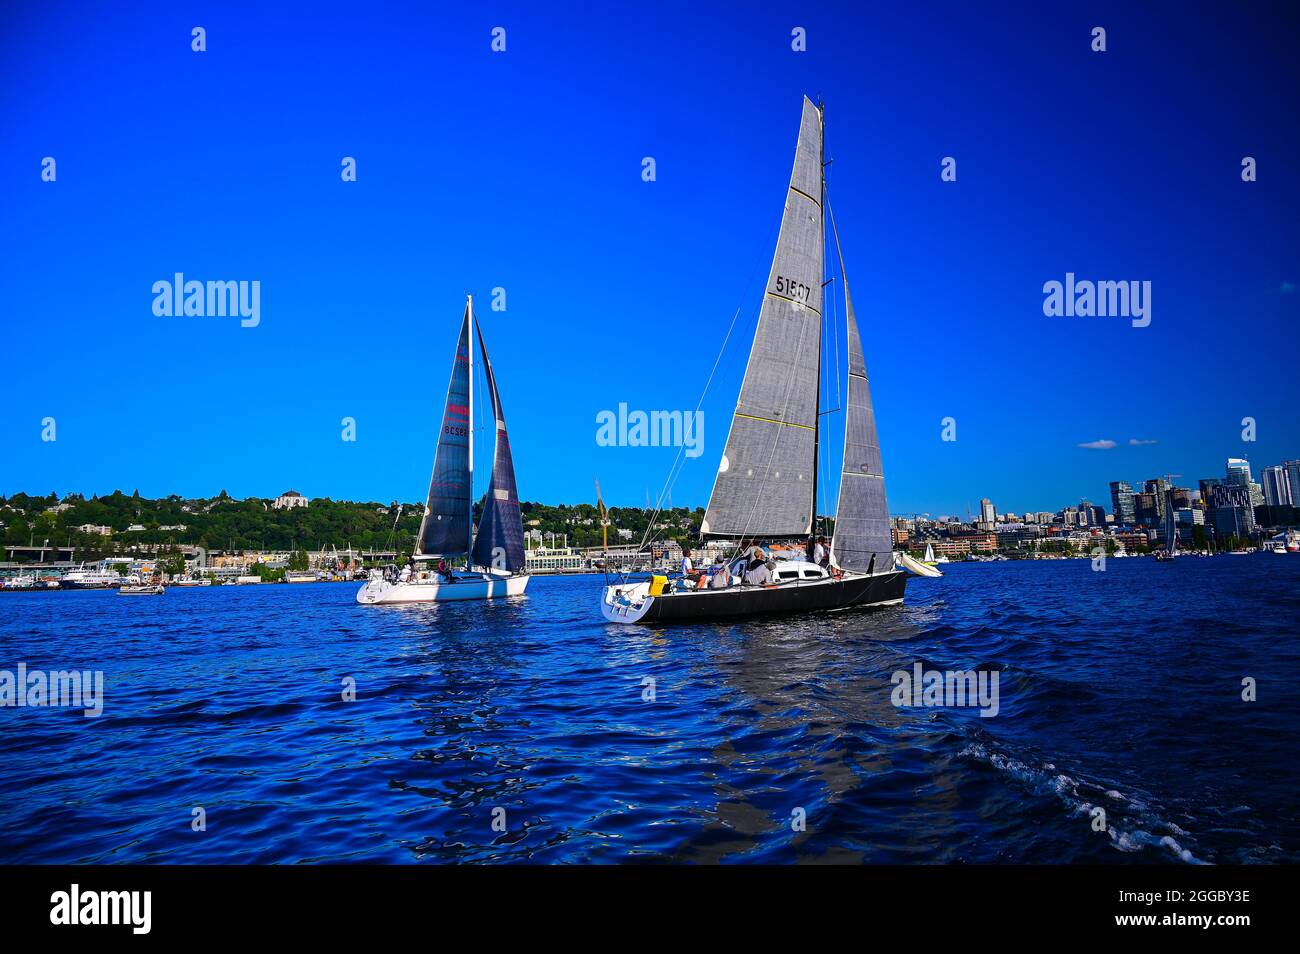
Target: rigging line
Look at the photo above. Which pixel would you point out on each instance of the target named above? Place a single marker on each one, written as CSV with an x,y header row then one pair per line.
x,y
666,491
675,471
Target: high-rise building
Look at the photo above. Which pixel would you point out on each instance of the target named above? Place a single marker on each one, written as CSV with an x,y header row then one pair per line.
x,y
1121,502
1277,486
1207,488
1090,515
1231,511
1292,468
1238,472
988,513
1180,497
1147,507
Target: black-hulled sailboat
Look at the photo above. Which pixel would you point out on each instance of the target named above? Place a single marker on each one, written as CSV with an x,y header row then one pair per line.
x,y
766,486
493,558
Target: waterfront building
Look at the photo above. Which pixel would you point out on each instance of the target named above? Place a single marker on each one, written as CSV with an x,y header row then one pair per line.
x,y
1121,501
1130,540
553,559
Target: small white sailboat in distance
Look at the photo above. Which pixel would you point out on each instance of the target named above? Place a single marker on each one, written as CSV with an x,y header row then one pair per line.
x,y
1171,533
494,557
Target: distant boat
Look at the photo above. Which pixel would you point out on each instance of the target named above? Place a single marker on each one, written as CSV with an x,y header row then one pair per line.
x,y
145,589
766,484
19,582
495,555
930,559
1171,533
192,581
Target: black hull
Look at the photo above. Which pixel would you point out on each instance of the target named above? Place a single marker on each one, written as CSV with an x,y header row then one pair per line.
x,y
858,591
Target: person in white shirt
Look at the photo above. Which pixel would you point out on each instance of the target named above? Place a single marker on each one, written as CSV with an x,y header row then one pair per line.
x,y
819,552
690,573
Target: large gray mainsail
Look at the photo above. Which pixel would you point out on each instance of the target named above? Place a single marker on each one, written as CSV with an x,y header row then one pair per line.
x,y
767,475
862,539
445,527
499,543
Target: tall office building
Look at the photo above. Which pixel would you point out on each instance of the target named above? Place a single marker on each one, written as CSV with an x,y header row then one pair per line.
x,y
988,513
1277,486
1121,502
1238,472
1292,468
1156,486
1231,511
1147,509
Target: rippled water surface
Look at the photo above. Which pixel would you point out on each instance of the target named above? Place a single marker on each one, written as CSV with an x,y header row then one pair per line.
x,y
1119,690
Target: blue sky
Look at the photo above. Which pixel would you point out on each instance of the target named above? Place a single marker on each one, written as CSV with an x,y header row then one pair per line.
x,y
522,170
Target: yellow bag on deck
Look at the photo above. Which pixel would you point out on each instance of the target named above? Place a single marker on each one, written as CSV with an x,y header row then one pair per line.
x,y
657,584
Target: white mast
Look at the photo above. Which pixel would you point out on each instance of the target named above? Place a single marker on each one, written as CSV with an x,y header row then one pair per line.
x,y
469,542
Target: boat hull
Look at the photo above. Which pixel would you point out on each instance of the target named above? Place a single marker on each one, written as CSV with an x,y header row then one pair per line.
x,y
485,587
853,590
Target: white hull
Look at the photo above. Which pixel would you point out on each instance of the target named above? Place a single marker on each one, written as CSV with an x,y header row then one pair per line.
x,y
477,587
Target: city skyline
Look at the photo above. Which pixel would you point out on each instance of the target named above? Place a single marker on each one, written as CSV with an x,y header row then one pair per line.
x,y
1289,468
459,159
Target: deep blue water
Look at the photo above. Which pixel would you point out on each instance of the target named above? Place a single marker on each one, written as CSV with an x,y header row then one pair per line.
x,y
1119,689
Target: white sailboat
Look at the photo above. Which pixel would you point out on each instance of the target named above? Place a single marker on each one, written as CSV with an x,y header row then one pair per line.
x,y
494,557
766,485
1171,533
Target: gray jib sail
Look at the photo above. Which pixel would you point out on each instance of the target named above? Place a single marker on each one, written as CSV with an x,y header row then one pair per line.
x,y
444,529
766,477
500,540
862,516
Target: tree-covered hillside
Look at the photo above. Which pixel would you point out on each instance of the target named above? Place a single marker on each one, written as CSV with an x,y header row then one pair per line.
x,y
223,523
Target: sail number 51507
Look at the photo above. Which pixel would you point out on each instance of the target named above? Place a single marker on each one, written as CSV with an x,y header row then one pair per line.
x,y
793,289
